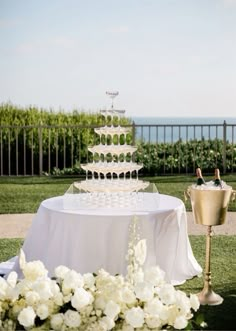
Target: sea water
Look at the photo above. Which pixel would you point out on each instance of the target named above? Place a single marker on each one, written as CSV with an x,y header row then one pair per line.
x,y
171,129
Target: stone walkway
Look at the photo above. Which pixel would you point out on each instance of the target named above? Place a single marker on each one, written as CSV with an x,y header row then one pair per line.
x,y
17,225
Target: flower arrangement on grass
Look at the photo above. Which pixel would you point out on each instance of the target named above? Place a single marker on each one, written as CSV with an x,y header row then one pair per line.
x,y
142,300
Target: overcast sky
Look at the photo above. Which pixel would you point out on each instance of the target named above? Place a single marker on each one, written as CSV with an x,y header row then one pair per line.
x,y
165,57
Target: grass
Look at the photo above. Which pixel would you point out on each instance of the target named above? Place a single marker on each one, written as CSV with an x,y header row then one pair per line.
x,y
24,194
223,269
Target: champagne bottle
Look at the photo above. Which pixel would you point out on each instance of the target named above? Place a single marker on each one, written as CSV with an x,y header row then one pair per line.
x,y
200,180
217,180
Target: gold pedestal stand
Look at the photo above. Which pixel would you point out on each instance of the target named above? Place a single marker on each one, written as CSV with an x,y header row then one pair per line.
x,y
209,208
207,296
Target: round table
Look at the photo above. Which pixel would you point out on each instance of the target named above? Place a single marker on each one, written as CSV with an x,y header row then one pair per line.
x,y
88,240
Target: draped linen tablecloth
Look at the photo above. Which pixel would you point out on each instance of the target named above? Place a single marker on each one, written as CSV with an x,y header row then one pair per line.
x,y
87,240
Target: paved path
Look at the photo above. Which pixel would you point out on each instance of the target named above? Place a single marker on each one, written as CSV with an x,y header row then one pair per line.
x,y
17,225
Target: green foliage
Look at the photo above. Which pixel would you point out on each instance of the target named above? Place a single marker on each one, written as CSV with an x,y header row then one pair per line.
x,y
184,157
62,140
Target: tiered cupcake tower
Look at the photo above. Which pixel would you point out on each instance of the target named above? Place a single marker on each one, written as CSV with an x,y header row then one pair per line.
x,y
114,176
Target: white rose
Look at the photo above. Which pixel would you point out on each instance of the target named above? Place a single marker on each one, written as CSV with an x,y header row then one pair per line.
x,y
26,317
61,271
12,278
81,298
71,281
154,275
153,321
32,298
144,291
128,296
183,302
153,307
135,317
180,323
112,309
167,294
194,302
57,321
34,270
43,288
42,311
106,323
72,319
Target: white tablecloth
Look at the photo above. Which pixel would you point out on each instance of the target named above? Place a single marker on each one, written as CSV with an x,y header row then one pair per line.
x,y
89,240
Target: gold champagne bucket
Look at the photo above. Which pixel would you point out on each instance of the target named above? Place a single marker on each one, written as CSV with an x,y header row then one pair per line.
x,y
209,207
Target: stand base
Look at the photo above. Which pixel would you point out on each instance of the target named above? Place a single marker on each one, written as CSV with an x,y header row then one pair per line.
x,y
209,297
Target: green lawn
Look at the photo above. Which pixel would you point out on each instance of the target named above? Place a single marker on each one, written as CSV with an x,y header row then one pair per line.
x,y
24,194
223,268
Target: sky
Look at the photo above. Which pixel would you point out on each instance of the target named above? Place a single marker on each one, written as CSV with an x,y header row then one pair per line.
x,y
172,58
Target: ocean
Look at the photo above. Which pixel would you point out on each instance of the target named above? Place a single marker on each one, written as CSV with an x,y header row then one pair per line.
x,y
171,129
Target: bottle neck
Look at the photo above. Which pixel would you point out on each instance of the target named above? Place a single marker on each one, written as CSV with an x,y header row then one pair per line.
x,y
200,180
217,180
